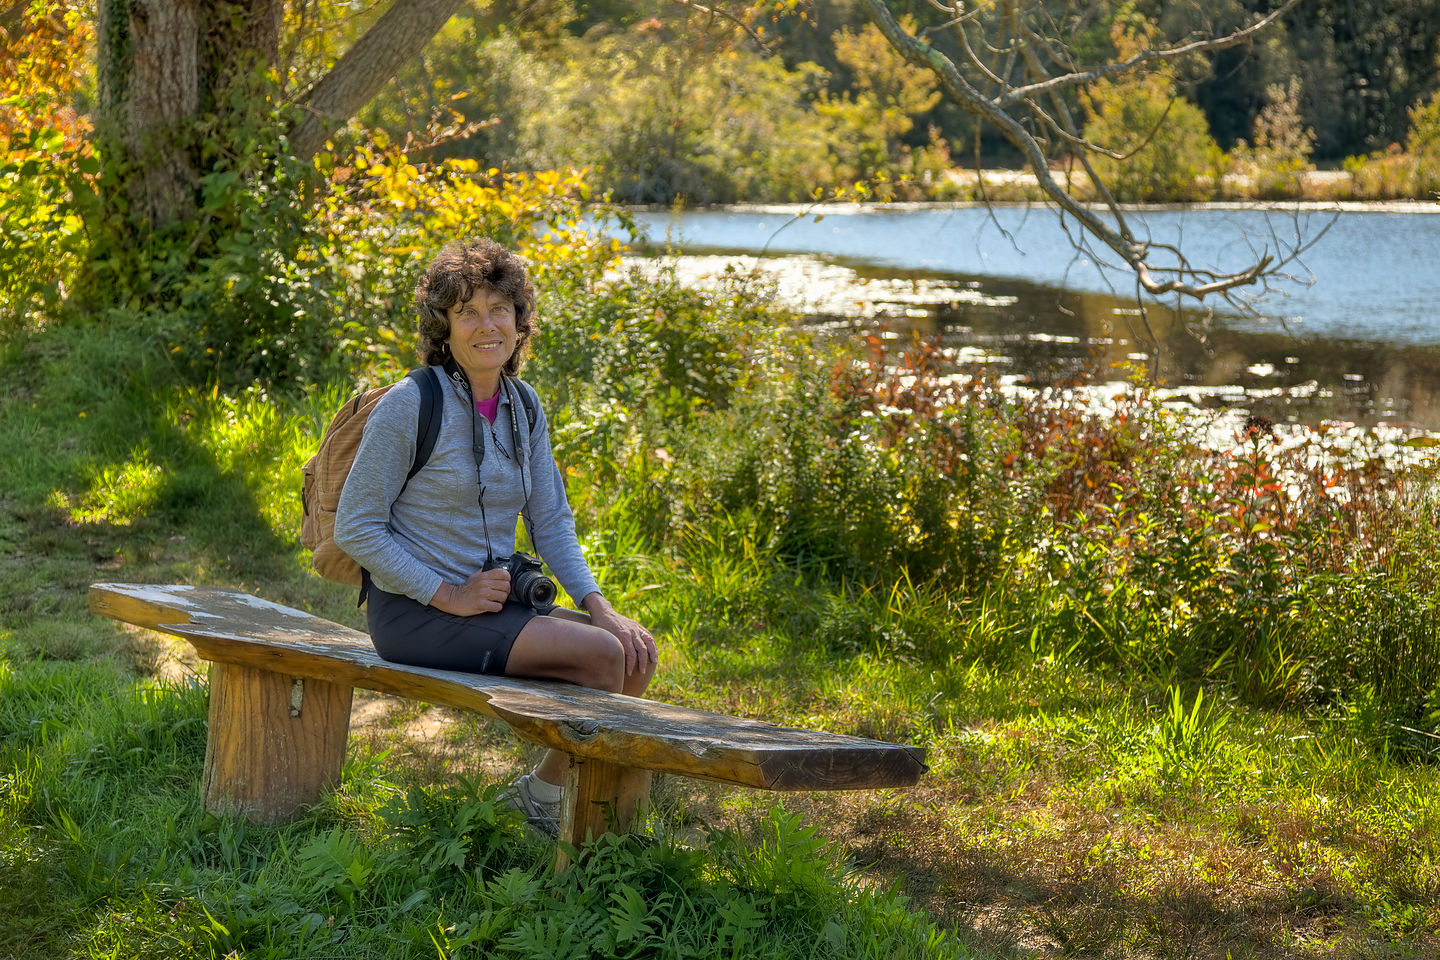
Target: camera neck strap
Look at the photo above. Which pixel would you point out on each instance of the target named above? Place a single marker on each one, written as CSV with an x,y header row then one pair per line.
x,y
477,443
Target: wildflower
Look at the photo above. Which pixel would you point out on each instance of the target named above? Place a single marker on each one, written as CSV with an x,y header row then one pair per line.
x,y
1257,426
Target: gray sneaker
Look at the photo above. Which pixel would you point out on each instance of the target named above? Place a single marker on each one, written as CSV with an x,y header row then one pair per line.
x,y
544,817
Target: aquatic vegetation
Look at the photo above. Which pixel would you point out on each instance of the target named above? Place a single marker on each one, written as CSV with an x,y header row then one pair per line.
x,y
1158,664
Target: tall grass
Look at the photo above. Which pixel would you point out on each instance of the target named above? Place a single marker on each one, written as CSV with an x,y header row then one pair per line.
x,y
1149,673
103,776
105,848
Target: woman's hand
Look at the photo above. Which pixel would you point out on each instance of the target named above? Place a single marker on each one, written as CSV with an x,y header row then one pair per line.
x,y
640,651
484,592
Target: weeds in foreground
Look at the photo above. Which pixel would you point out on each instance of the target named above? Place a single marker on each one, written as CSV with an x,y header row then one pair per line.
x,y
1164,687
135,867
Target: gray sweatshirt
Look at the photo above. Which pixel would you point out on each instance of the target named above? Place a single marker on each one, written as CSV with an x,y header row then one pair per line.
x,y
430,533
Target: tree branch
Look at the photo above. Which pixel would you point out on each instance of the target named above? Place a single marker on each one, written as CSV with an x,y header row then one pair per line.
x,y
1143,58
715,11
1182,278
400,33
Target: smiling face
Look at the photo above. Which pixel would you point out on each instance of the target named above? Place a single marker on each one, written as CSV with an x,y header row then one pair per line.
x,y
475,270
482,338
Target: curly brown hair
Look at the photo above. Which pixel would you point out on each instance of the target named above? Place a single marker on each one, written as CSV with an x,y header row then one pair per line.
x,y
455,275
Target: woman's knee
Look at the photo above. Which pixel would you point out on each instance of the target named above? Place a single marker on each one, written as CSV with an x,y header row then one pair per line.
x,y
635,683
605,660
563,650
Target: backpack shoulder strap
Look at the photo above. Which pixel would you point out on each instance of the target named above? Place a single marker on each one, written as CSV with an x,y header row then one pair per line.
x,y
528,400
427,430
427,426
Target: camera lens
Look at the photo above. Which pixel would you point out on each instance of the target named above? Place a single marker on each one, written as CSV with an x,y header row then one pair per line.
x,y
534,588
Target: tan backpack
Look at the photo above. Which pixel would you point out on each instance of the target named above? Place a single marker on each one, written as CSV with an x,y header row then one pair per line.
x,y
324,475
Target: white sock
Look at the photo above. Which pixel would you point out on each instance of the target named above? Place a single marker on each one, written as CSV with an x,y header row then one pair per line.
x,y
543,790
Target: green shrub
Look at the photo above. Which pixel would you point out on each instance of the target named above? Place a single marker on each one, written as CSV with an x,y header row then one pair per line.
x,y
1274,162
1412,171
658,116
1423,146
1162,140
43,241
869,125
652,345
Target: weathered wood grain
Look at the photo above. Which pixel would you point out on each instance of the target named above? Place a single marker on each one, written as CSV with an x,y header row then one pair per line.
x,y
601,798
232,627
276,742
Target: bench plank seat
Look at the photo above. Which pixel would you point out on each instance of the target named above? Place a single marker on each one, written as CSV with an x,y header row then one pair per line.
x,y
281,687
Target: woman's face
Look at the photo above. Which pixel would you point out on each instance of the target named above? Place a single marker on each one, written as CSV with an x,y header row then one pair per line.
x,y
482,338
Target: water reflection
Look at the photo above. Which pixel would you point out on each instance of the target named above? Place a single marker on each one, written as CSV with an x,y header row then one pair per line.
x,y
1367,273
1041,334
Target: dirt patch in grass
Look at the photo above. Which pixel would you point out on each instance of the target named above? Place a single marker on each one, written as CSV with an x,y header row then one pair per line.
x,y
435,743
1055,880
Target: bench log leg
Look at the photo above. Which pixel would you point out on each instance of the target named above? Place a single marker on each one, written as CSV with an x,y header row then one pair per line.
x,y
276,742
600,797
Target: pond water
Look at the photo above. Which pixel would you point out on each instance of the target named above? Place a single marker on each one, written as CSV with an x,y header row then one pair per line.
x,y
1353,336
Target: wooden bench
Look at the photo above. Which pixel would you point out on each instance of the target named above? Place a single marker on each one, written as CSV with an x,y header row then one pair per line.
x,y
281,682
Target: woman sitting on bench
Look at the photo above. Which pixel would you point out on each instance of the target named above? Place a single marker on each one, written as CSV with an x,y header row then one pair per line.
x,y
445,586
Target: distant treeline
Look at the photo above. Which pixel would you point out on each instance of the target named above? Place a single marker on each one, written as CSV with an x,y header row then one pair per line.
x,y
661,103
1362,66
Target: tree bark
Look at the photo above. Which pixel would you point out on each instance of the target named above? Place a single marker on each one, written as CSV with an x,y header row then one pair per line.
x,y
166,68
149,96
240,36
401,33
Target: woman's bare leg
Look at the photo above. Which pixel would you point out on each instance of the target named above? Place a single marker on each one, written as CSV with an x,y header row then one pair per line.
x,y
635,683
566,646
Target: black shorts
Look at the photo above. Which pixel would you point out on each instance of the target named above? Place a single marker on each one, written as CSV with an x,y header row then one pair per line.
x,y
407,631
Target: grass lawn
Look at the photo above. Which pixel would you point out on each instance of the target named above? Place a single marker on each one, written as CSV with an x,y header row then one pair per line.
x,y
1074,808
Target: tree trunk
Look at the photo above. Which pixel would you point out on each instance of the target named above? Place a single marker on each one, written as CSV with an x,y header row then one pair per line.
x,y
166,69
397,36
149,98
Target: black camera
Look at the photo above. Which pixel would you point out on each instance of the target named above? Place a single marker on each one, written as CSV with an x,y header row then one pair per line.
x,y
527,584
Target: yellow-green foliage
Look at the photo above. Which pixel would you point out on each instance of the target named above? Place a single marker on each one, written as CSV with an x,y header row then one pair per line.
x,y
660,117
1160,140
42,156
540,215
869,122
335,296
1409,172
1274,162
1424,145
659,110
393,216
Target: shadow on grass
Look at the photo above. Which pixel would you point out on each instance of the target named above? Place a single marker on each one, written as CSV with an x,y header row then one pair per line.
x,y
1042,895
112,480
